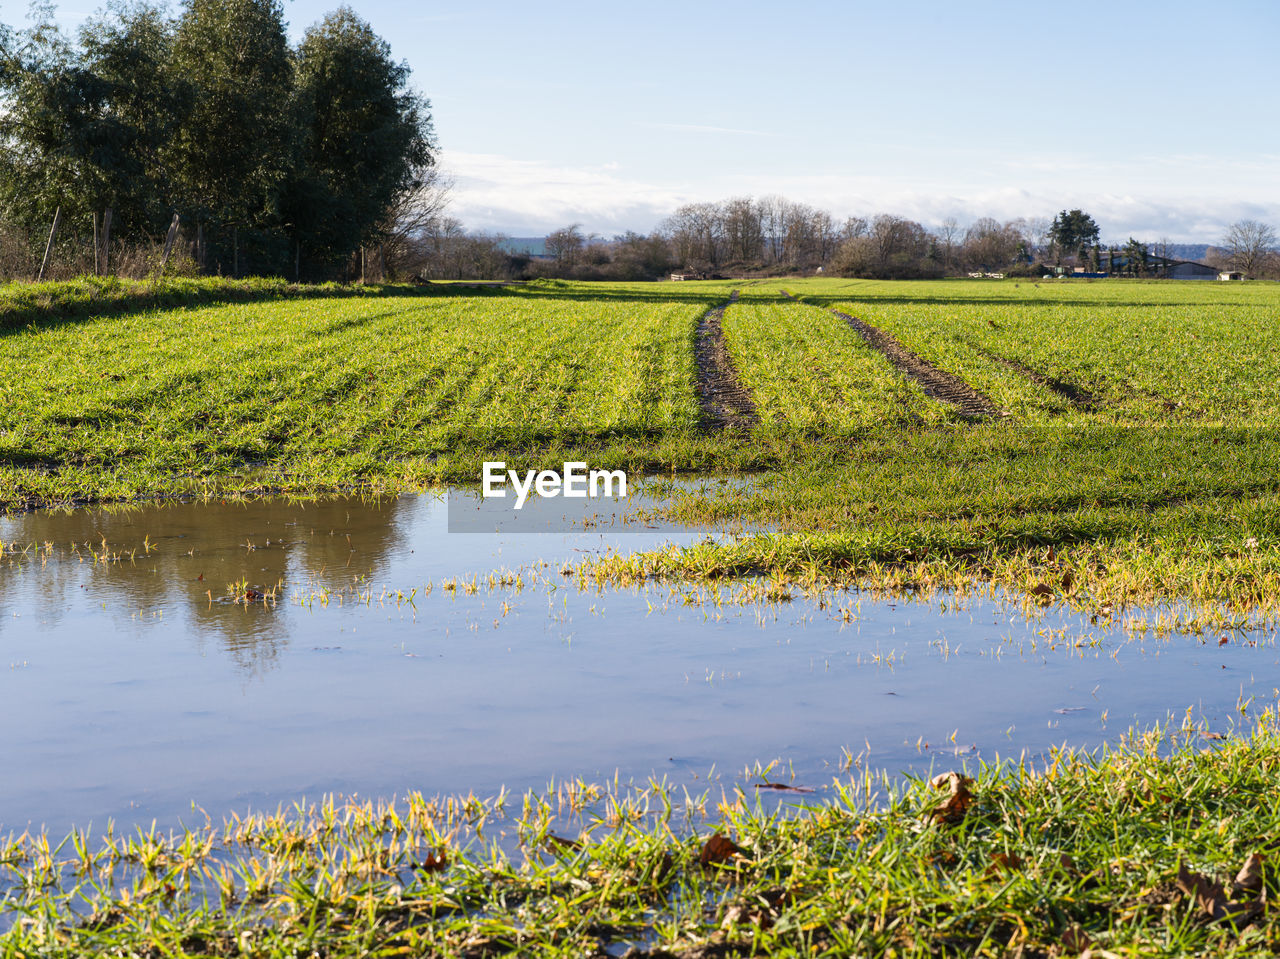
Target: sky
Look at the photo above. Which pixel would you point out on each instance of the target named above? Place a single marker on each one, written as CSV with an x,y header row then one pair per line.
x,y
1159,120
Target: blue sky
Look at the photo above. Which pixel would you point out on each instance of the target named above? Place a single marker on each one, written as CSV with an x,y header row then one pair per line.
x,y
612,114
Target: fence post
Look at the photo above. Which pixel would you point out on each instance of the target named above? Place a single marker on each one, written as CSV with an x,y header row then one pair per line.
x,y
235,252
48,249
96,257
168,243
106,242
200,246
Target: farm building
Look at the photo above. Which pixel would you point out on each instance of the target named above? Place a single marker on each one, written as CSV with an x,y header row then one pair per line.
x,y
1231,275
1187,270
1116,263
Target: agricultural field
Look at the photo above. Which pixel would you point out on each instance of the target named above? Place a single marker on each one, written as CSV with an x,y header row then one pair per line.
x,y
1127,427
1040,472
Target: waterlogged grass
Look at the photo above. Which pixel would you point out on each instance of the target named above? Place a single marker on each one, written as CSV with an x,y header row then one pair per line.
x,y
1098,517
1158,846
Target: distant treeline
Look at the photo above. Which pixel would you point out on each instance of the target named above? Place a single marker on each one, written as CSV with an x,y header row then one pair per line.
x,y
773,235
277,159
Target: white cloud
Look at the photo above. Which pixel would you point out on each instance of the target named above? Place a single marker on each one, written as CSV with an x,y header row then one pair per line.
x,y
498,193
525,197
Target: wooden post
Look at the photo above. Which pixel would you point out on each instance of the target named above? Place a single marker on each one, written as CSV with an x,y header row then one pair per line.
x,y
168,243
200,246
106,242
48,249
96,256
362,263
297,263
235,251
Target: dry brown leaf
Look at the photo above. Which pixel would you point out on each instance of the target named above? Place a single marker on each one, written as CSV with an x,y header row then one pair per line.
x,y
1208,735
1211,899
1223,641
718,850
1043,592
957,804
1003,861
1249,878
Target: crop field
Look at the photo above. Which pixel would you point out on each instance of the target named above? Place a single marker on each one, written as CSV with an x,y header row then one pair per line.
x,y
1110,449
1125,427
1120,352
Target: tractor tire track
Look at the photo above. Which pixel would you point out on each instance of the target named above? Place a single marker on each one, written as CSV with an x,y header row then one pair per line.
x,y
724,402
937,383
1077,396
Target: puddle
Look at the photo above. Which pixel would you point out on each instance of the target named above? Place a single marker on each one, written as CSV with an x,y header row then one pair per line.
x,y
245,655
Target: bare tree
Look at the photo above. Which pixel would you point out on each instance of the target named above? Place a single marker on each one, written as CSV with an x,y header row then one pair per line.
x,y
413,215
1249,245
949,234
989,245
854,227
744,240
565,246
697,235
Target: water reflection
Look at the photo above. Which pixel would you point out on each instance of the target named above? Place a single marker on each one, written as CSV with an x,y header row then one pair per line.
x,y
190,562
137,685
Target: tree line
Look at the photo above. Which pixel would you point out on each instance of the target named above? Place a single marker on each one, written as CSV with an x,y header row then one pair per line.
x,y
276,159
773,235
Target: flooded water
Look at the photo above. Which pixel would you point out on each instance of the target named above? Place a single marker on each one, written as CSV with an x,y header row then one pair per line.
x,y
237,656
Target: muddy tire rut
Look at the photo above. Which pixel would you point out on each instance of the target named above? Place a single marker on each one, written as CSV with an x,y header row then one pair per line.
x,y
937,383
1078,397
724,402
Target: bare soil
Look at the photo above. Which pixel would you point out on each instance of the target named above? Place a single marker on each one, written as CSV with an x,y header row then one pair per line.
x,y
724,401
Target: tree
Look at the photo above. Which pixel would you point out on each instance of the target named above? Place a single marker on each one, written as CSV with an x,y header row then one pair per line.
x,y
949,234
1248,245
367,138
131,57
565,246
413,215
56,131
696,231
743,237
990,246
240,139
1135,251
1072,233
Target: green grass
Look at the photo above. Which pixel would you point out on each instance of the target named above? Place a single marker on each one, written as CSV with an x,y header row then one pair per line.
x,y
1085,850
1164,489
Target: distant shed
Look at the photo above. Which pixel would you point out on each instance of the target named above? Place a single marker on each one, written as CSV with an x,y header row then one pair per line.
x,y
1231,275
1187,270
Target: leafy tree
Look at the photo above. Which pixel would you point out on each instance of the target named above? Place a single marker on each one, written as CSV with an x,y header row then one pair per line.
x,y
1072,233
130,55
1138,257
240,139
367,137
57,135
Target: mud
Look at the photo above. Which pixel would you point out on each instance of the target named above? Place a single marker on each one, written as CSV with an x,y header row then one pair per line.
x,y
725,403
